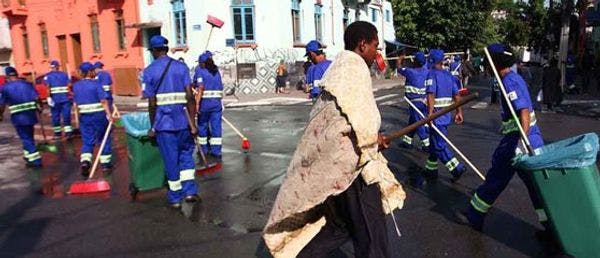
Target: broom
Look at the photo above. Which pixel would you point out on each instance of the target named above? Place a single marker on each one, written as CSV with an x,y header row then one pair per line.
x,y
207,167
214,22
245,141
93,185
45,146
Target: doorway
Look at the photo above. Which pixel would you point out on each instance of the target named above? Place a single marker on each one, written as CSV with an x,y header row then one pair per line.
x,y
62,50
77,55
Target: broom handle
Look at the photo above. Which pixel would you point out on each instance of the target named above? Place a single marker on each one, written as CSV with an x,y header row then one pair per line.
x,y
233,127
509,104
189,119
97,160
42,126
432,117
208,40
448,141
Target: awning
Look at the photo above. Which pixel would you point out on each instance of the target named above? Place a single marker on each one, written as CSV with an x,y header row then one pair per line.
x,y
144,25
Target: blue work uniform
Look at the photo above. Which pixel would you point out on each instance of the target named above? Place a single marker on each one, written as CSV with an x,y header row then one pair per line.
x,y
88,95
173,133
21,97
501,172
314,76
443,86
103,77
58,83
570,72
415,91
456,70
211,110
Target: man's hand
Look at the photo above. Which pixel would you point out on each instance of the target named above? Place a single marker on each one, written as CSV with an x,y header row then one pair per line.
x,y
151,133
383,142
194,131
458,118
109,118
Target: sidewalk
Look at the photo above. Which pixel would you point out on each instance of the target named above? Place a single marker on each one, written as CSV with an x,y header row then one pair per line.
x,y
294,97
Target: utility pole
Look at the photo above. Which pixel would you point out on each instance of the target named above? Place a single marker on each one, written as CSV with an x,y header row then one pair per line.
x,y
566,10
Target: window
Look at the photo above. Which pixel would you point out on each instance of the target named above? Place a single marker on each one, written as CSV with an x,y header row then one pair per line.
x,y
179,22
388,16
296,21
346,19
373,15
95,33
120,23
26,43
318,22
44,36
243,20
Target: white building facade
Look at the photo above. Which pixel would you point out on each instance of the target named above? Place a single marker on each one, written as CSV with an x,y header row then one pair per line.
x,y
258,34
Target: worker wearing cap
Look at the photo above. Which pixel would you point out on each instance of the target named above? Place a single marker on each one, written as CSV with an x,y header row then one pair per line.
x,y
94,115
104,78
501,172
442,90
207,81
570,74
23,103
314,51
59,102
169,93
415,91
456,70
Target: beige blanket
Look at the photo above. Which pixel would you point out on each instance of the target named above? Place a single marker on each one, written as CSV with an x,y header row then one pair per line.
x,y
339,143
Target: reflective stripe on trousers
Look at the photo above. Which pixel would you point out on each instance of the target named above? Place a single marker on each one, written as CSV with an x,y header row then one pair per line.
x,y
170,98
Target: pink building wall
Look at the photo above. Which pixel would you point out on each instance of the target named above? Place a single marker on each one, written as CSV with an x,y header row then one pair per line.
x,y
72,19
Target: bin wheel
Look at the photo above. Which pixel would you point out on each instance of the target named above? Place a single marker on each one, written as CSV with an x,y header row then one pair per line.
x,y
133,191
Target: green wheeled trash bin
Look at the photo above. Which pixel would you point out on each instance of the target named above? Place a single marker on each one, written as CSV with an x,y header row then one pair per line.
x,y
566,176
146,167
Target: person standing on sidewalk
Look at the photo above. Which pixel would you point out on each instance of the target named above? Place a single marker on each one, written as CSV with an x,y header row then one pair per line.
x,y
415,91
59,102
314,51
169,93
501,172
346,187
588,67
281,78
209,87
442,91
23,103
94,116
551,85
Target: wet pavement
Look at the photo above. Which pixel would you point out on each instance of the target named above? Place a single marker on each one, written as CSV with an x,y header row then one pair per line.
x,y
38,218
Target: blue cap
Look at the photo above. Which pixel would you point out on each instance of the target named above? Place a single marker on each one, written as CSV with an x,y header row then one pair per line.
x,y
313,46
10,71
158,41
204,56
420,57
54,63
436,55
86,67
98,65
496,48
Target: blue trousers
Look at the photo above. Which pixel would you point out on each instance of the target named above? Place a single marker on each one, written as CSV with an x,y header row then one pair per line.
x,y
413,117
177,150
498,177
440,150
30,152
92,127
61,110
210,131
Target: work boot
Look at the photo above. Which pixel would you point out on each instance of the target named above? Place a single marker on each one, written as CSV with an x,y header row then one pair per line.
x,y
107,168
405,145
192,198
425,149
85,168
430,175
462,217
175,206
457,173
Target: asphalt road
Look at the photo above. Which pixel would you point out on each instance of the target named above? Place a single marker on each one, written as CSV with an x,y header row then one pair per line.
x,y
38,219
